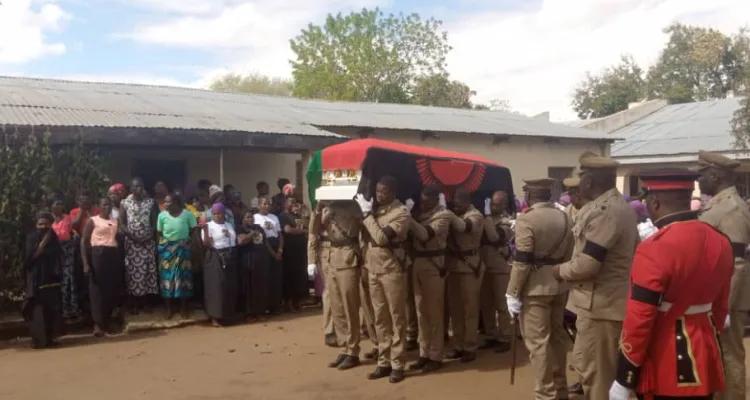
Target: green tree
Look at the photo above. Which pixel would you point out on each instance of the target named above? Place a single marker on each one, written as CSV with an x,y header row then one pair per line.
x,y
611,91
699,64
439,90
253,83
496,105
367,56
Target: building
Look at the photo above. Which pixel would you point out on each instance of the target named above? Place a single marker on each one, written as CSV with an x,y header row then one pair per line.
x,y
654,134
182,135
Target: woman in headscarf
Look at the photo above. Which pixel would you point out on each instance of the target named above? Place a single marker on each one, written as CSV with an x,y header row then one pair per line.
x,y
295,284
254,260
220,268
63,227
116,193
43,268
175,226
216,195
272,228
137,223
102,265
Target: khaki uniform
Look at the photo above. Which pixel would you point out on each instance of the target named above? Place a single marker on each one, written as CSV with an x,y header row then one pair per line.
x,y
495,252
412,324
430,231
465,271
606,235
313,256
728,213
340,254
387,229
543,238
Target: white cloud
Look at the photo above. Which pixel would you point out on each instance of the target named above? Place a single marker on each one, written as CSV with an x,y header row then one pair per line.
x,y
532,57
24,29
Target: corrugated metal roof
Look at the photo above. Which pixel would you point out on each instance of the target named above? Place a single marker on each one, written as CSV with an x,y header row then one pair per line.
x,y
580,123
45,102
679,129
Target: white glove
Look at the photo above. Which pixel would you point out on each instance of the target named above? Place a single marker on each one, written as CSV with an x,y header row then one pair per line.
x,y
514,305
409,204
727,323
312,270
442,201
364,204
487,208
618,392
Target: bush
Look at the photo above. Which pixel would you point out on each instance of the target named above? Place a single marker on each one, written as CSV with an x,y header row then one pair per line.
x,y
30,171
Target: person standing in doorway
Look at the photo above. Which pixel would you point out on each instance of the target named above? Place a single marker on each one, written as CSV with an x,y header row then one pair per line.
x,y
138,226
277,201
161,190
175,226
263,191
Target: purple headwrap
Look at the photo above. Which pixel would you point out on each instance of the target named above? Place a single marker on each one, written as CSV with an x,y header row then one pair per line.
x,y
639,208
217,208
627,198
564,200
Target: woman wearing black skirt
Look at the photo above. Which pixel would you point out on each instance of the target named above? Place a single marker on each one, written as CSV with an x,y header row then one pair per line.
x,y
220,267
103,265
295,258
275,242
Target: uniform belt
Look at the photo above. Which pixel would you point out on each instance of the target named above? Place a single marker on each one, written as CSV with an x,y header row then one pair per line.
x,y
462,253
340,243
392,246
738,249
692,310
428,253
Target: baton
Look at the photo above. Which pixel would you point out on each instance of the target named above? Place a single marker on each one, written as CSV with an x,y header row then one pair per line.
x,y
513,340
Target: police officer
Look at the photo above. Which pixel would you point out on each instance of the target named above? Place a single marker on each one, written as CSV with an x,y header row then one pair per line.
x,y
606,234
465,272
340,255
387,228
495,252
571,185
727,212
543,238
430,230
315,267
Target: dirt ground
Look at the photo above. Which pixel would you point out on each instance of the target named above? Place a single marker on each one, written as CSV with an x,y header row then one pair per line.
x,y
282,359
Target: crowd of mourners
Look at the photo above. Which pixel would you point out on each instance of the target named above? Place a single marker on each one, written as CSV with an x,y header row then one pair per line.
x,y
134,249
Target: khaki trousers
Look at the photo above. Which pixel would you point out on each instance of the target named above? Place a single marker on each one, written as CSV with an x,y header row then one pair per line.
x,y
429,295
734,357
368,315
463,295
326,299
343,285
545,337
388,292
495,306
598,342
412,325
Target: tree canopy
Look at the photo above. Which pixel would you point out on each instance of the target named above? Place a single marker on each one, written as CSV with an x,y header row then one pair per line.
x,y
254,83
370,57
696,64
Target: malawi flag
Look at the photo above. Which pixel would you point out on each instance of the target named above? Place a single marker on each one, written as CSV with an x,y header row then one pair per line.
x,y
314,176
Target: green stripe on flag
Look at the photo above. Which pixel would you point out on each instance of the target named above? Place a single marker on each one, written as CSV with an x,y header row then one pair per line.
x,y
314,176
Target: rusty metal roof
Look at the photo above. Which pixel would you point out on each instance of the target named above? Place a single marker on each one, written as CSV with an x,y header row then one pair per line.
x,y
47,102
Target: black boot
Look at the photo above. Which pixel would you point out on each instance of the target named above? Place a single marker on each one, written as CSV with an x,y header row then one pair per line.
x,y
468,356
431,366
454,355
502,347
380,372
338,361
397,375
372,354
411,345
421,362
349,363
332,340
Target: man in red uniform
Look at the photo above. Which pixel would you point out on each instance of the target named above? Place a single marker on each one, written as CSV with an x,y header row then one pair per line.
x,y
679,295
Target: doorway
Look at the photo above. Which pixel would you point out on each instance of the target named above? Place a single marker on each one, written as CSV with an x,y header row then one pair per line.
x,y
172,172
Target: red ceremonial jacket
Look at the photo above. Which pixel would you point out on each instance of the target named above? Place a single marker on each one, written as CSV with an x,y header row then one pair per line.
x,y
676,308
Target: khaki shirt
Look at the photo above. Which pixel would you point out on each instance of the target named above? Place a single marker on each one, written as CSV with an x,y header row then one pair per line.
x,y
338,243
572,212
463,243
387,228
495,249
431,230
606,234
729,214
543,238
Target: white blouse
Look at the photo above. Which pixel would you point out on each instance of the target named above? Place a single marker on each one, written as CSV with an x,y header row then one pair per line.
x,y
220,239
269,223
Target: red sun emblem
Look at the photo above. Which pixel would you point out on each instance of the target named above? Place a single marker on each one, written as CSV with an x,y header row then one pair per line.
x,y
451,174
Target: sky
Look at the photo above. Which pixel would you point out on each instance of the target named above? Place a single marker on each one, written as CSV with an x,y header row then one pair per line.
x,y
531,53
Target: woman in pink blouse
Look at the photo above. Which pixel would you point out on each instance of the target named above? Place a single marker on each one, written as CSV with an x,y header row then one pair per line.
x,y
63,227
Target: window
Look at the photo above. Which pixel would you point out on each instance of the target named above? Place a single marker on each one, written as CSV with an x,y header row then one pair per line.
x,y
634,185
559,174
743,184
